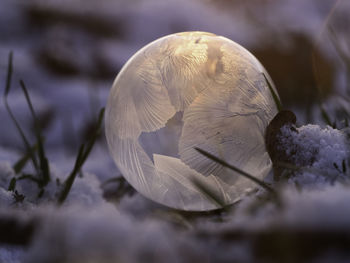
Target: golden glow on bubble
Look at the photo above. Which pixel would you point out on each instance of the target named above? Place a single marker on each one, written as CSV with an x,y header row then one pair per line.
x,y
186,90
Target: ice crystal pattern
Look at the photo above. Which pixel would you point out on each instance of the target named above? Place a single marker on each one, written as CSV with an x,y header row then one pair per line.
x,y
186,90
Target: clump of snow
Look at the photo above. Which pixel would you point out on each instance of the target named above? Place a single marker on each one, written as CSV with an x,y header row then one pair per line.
x,y
320,152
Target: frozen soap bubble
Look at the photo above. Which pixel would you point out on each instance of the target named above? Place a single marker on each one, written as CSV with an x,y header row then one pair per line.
x,y
186,90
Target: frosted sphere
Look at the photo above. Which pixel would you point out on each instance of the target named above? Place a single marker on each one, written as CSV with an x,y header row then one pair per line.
x,y
186,90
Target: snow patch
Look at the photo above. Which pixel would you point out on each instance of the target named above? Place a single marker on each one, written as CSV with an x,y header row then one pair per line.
x,y
322,151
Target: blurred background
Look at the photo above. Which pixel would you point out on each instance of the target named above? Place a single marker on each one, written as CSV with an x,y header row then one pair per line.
x,y
68,53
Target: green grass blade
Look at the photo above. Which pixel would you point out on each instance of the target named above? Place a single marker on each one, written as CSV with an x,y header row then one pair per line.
x,y
82,156
18,166
237,170
9,74
274,95
44,164
12,116
29,102
12,185
96,133
67,185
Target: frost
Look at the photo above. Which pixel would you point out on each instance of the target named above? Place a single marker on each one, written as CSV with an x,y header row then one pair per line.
x,y
197,90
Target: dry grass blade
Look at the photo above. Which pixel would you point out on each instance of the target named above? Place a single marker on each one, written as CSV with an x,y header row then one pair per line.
x,y
44,164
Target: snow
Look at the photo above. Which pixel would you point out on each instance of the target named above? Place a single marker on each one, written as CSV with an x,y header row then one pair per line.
x,y
86,190
88,228
321,151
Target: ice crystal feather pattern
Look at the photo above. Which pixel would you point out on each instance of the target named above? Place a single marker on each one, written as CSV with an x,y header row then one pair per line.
x,y
187,90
